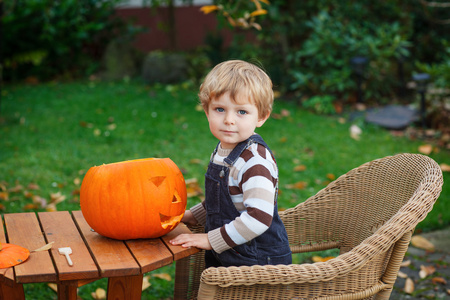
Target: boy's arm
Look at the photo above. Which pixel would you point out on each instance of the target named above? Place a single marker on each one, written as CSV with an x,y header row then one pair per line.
x,y
198,213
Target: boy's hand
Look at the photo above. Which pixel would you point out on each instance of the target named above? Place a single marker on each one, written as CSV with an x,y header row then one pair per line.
x,y
198,240
188,218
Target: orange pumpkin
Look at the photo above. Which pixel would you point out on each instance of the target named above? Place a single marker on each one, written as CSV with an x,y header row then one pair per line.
x,y
11,255
144,198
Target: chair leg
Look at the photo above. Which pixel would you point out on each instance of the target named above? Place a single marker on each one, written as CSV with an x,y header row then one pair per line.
x,y
390,275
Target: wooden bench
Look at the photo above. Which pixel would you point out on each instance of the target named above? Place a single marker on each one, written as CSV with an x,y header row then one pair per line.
x,y
94,256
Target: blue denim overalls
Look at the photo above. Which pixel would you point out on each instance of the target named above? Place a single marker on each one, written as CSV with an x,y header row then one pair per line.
x,y
272,247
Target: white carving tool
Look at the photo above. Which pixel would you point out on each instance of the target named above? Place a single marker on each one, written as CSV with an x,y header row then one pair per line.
x,y
66,251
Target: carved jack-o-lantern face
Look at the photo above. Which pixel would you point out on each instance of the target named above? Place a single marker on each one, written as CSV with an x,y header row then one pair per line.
x,y
144,198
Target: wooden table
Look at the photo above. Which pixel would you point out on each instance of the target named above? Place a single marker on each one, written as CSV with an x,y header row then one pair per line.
x,y
94,256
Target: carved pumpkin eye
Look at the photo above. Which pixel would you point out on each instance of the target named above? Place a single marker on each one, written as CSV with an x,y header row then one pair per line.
x,y
143,198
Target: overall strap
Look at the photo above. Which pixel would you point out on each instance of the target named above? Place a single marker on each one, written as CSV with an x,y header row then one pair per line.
x,y
237,151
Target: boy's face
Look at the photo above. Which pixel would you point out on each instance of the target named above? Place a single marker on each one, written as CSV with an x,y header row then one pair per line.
x,y
232,122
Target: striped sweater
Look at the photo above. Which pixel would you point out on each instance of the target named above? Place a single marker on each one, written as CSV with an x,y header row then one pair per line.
x,y
252,186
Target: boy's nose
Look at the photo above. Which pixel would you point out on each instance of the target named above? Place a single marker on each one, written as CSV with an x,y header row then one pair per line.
x,y
229,119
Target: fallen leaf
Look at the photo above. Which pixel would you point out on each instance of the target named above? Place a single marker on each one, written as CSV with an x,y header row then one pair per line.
x,y
439,280
409,286
163,276
321,259
77,181
199,107
402,275
355,132
448,291
299,168
28,194
33,186
285,113
426,271
283,139
405,263
420,242
30,206
53,286
45,247
51,207
16,189
57,197
195,161
425,149
193,188
111,126
4,196
99,294
445,167
97,132
301,185
42,202
331,176
145,283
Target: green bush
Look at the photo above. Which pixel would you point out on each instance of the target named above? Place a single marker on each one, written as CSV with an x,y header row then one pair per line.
x,y
46,38
306,46
322,65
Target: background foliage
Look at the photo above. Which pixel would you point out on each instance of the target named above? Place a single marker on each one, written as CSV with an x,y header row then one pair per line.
x,y
48,39
307,45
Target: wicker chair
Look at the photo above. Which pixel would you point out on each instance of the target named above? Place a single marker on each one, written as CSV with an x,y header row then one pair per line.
x,y
368,213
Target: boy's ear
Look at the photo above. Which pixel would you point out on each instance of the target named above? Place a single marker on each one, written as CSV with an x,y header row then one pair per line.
x,y
261,121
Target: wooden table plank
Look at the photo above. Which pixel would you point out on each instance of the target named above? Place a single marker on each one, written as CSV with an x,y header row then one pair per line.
x,y
23,229
60,229
178,251
151,254
112,256
6,274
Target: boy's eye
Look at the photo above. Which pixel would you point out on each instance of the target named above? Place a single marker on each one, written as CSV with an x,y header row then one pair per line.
x,y
220,109
242,112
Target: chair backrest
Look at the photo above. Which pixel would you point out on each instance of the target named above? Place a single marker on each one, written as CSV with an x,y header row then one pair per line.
x,y
355,205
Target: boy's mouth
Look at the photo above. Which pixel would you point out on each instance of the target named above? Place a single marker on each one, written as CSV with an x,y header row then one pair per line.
x,y
228,131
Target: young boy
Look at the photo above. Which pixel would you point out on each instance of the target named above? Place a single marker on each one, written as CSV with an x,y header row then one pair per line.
x,y
240,209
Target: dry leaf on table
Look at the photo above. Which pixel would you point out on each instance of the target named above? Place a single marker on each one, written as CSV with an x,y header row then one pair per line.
x,y
45,247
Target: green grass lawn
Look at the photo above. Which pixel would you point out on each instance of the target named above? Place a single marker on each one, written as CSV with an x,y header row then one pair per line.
x,y
51,134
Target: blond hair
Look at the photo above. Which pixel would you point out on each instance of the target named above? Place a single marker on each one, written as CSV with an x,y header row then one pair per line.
x,y
239,79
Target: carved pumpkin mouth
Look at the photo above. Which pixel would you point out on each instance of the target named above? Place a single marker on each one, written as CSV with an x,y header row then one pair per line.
x,y
168,221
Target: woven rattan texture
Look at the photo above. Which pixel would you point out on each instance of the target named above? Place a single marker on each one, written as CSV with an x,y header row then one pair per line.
x,y
368,213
